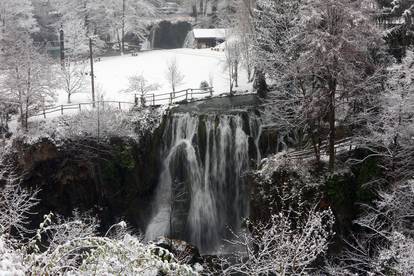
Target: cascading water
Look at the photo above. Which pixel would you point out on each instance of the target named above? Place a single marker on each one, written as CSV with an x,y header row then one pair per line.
x,y
202,190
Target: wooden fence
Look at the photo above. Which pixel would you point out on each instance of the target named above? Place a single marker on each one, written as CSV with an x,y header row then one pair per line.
x,y
341,146
81,106
175,97
181,96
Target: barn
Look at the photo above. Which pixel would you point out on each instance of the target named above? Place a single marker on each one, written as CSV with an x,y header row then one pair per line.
x,y
205,38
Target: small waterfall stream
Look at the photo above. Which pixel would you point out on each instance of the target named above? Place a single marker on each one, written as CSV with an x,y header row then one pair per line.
x,y
202,190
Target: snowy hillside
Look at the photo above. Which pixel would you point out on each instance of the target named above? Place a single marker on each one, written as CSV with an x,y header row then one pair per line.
x,y
112,73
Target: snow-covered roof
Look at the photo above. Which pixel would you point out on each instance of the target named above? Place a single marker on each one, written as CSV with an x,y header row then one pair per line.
x,y
209,33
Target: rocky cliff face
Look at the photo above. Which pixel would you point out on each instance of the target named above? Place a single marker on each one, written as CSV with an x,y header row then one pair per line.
x,y
112,179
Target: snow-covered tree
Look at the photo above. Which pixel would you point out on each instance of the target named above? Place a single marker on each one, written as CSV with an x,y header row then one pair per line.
x,y
325,57
76,38
140,85
28,80
389,129
384,243
113,19
16,15
173,74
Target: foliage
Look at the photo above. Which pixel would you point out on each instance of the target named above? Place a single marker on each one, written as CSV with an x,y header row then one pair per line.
x,y
125,156
102,123
326,59
281,247
204,85
383,244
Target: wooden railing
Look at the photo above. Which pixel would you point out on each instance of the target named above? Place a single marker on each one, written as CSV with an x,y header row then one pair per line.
x,y
81,106
147,100
341,146
174,97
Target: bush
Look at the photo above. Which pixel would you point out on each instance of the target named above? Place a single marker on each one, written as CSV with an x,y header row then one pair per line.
x,y
204,85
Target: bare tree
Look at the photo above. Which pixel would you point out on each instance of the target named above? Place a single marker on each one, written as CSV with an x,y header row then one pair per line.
x,y
173,74
139,85
242,23
16,206
233,58
72,79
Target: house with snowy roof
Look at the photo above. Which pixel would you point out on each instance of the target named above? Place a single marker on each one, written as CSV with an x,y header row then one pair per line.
x,y
204,38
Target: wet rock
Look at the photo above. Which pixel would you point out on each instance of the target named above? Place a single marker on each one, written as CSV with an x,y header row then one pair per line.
x,y
30,155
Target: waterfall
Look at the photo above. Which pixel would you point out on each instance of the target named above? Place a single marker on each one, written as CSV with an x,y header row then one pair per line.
x,y
202,191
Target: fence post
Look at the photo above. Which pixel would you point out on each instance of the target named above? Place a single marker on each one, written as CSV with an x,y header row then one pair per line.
x,y
191,90
186,95
153,99
61,109
211,91
119,104
80,107
171,97
44,113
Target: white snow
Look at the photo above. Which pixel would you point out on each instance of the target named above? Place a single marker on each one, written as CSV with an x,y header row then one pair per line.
x,y
197,65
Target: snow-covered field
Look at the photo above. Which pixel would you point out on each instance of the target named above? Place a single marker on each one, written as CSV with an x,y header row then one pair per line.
x,y
196,65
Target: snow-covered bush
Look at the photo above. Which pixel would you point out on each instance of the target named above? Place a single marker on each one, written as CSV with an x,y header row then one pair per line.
x,y
399,256
283,183
204,85
281,247
71,246
74,249
11,260
101,123
282,161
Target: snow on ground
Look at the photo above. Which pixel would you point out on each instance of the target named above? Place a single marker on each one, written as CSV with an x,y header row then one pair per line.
x,y
196,65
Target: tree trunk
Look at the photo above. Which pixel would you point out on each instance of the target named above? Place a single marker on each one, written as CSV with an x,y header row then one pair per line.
x,y
201,11
118,38
26,118
29,84
260,83
231,79
214,16
69,98
331,119
236,74
123,28
21,113
316,147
